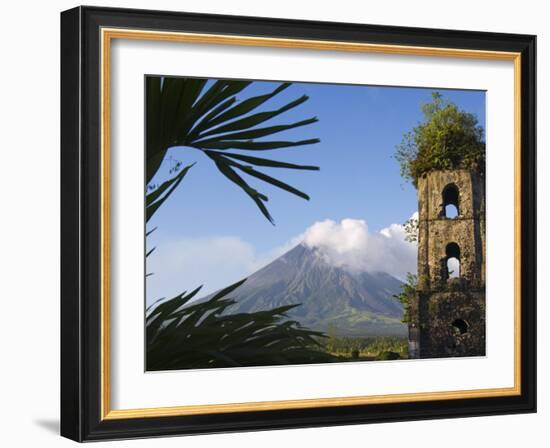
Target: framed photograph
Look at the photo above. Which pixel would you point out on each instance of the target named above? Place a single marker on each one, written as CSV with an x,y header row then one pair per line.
x,y
276,224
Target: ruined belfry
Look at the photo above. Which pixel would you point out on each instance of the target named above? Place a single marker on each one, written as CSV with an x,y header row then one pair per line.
x,y
447,312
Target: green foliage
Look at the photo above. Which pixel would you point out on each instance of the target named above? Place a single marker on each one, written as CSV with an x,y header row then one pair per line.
x,y
411,230
157,197
347,347
342,345
193,336
394,344
388,356
448,138
208,117
407,290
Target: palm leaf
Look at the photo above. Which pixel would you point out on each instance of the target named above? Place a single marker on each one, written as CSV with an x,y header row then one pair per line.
x,y
194,113
256,196
155,199
271,180
246,106
254,133
254,120
267,162
203,335
254,146
252,172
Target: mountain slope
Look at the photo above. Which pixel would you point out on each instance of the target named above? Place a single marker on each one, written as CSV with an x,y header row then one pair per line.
x,y
332,299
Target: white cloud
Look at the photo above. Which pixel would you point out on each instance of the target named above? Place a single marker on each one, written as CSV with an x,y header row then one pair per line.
x,y
350,244
217,262
214,262
188,263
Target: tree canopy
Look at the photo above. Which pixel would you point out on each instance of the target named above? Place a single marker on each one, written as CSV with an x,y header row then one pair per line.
x,y
448,138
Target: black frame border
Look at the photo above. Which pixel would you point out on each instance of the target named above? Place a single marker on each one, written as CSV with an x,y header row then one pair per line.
x,y
81,224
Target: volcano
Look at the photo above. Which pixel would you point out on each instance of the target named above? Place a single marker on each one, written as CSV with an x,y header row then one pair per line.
x,y
333,299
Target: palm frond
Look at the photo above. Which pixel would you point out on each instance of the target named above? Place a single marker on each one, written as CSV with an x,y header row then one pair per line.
x,y
156,198
194,113
258,161
219,158
201,335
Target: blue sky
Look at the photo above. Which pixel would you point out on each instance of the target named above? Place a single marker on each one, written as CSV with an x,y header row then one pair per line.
x,y
359,127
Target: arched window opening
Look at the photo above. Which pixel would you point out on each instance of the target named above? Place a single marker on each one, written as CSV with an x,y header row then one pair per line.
x,y
452,264
453,267
460,326
450,201
451,211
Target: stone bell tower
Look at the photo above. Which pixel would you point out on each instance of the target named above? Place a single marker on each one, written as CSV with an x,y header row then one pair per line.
x,y
447,313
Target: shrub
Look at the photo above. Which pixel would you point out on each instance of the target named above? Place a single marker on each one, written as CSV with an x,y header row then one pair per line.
x,y
387,356
449,138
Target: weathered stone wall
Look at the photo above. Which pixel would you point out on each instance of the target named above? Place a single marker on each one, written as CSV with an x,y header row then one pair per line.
x,y
470,184
451,323
441,301
466,234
